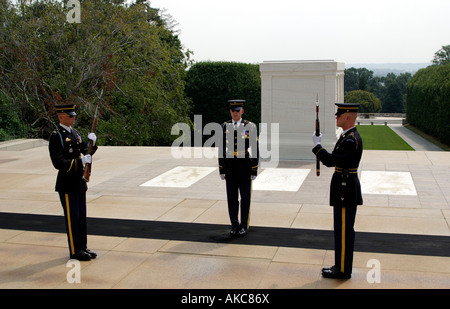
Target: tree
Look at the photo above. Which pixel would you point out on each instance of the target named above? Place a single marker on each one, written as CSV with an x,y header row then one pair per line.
x,y
357,79
369,102
394,94
442,56
127,51
390,89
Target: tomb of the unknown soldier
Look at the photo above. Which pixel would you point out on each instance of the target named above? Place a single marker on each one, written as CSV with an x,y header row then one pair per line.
x,y
289,90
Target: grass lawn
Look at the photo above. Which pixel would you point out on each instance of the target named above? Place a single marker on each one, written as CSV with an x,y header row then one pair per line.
x,y
381,138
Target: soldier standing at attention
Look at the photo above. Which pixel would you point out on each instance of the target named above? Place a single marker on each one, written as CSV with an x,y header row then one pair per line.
x,y
345,189
238,165
66,149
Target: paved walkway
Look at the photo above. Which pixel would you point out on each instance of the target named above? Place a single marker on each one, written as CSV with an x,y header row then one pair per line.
x,y
415,141
164,236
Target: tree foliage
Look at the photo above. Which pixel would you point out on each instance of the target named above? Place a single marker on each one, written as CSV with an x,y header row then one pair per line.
x,y
442,56
389,89
128,51
369,102
358,79
393,94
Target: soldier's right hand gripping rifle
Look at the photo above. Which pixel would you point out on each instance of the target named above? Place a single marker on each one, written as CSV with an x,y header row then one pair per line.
x,y
87,166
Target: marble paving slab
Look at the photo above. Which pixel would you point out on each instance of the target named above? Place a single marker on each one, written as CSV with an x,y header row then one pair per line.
x,y
280,179
382,182
179,177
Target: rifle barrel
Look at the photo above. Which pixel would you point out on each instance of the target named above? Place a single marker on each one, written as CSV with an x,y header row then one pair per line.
x,y
87,166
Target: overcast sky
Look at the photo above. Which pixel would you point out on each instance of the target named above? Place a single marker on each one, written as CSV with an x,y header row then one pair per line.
x,y
349,31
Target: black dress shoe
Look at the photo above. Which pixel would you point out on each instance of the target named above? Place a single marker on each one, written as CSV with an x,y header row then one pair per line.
x,y
233,232
92,254
326,268
242,232
81,256
334,273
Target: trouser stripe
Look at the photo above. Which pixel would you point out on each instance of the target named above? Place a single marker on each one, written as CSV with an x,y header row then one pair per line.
x,y
69,225
343,241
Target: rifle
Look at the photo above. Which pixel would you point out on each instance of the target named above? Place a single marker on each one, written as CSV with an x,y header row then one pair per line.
x,y
317,133
87,166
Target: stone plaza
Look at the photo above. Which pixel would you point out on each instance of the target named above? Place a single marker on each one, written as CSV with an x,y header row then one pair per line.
x,y
159,222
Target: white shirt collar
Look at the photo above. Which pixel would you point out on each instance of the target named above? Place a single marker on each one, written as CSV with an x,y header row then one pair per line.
x,y
237,122
347,130
66,127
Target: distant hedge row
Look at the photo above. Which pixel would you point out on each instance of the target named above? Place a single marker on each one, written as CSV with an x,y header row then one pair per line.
x,y
428,101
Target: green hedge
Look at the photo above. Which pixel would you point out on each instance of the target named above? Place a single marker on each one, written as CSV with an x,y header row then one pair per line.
x,y
211,84
428,101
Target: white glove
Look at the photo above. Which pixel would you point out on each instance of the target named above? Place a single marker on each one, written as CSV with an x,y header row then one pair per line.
x,y
92,137
222,176
86,159
253,177
317,139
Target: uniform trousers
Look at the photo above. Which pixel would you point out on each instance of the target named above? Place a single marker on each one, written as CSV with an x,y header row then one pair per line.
x,y
236,186
344,237
74,206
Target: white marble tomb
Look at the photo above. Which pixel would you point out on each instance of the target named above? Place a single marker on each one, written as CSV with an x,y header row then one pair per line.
x,y
288,95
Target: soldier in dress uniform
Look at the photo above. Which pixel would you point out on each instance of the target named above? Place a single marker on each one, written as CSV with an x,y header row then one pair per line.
x,y
345,188
238,165
68,153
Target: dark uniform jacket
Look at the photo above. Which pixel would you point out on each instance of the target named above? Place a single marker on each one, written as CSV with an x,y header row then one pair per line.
x,y
65,152
239,154
345,188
